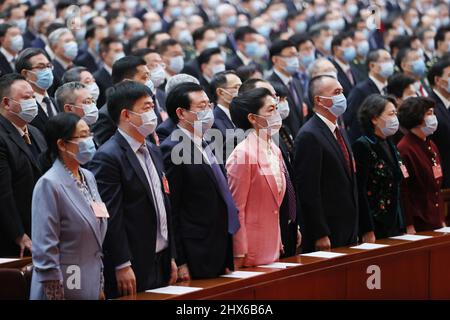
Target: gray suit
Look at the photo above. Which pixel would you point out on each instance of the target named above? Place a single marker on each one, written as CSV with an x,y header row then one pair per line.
x,y
66,233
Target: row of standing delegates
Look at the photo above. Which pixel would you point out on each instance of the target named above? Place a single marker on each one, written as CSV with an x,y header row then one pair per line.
x,y
399,189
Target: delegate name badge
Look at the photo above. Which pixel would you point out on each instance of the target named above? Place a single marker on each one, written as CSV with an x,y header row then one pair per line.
x,y
165,184
437,171
100,209
404,171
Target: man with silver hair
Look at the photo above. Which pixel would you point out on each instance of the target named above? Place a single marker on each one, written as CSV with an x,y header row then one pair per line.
x,y
165,129
63,44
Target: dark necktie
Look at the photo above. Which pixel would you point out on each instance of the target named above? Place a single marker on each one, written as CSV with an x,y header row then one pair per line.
x,y
344,149
47,102
294,95
292,202
233,219
350,76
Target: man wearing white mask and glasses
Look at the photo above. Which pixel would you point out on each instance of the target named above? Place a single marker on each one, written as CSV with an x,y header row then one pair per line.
x,y
76,98
20,146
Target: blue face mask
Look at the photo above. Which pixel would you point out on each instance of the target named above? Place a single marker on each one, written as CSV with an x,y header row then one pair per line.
x,y
308,59
349,54
431,124
86,150
339,105
363,48
265,30
418,67
231,21
301,26
386,69
448,85
44,78
390,126
251,49
327,44
292,65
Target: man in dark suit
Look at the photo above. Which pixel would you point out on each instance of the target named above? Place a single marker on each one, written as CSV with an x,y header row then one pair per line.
x,y
344,51
111,50
247,48
439,76
211,63
20,146
227,18
204,213
139,247
284,56
34,65
381,67
11,43
90,58
324,172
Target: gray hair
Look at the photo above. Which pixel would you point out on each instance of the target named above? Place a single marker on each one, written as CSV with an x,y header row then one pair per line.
x,y
178,79
314,69
53,38
66,93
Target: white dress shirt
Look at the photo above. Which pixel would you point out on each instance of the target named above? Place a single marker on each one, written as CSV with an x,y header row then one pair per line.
x,y
40,99
332,126
445,101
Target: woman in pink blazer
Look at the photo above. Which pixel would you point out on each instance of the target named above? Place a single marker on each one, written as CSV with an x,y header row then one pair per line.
x,y
256,178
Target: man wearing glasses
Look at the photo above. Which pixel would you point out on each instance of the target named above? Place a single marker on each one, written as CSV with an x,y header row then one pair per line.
x,y
35,66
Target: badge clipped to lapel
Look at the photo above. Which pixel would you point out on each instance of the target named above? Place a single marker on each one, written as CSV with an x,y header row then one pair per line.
x,y
99,209
404,171
437,171
165,184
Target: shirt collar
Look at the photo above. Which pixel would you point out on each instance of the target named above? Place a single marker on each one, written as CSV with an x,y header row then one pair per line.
x,y
21,131
380,85
226,110
9,57
39,97
283,78
134,144
332,126
108,69
197,141
61,62
445,101
343,66
244,59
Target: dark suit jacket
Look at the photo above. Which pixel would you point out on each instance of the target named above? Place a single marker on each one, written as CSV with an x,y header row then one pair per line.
x,y
19,172
359,93
379,178
132,225
192,68
442,137
223,123
28,38
104,128
206,87
5,67
233,62
58,71
165,129
295,119
38,43
327,191
104,81
343,79
88,61
199,212
41,118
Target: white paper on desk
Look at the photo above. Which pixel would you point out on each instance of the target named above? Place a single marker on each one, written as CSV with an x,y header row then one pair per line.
x,y
6,260
411,237
280,265
445,230
323,254
242,274
370,246
174,290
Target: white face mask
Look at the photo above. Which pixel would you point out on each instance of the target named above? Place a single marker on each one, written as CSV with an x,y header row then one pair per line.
x,y
158,76
204,117
274,123
90,113
283,109
149,121
94,90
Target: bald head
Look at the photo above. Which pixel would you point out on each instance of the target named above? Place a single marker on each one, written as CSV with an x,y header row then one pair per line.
x,y
323,86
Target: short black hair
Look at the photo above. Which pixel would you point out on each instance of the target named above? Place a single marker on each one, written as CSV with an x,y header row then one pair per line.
x,y
219,80
199,33
205,55
6,81
250,84
241,32
90,32
400,42
152,37
164,45
54,26
398,83
437,70
105,44
178,97
245,72
278,46
440,35
244,104
134,41
300,38
4,27
126,68
124,95
373,56
281,90
142,52
23,59
402,55
412,111
372,107
339,38
73,74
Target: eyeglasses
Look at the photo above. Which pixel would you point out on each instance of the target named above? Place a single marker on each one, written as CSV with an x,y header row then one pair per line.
x,y
209,105
90,135
42,67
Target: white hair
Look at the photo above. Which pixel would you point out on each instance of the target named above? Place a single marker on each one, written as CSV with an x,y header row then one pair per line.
x,y
178,79
53,37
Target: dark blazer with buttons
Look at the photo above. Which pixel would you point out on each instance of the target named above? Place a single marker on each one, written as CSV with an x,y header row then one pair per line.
x,y
104,81
19,171
5,67
379,180
343,79
87,60
199,211
354,101
327,191
442,137
132,225
41,118
295,119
